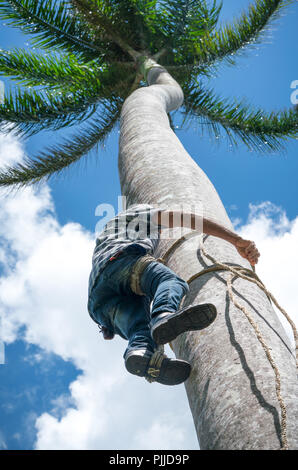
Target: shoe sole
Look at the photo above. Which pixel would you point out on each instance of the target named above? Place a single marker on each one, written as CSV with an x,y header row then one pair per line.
x,y
194,318
137,365
172,372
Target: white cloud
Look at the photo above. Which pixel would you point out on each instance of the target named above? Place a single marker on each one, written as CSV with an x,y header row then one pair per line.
x,y
3,445
277,239
164,428
11,150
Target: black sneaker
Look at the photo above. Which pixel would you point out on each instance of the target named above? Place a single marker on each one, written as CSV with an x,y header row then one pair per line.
x,y
157,367
167,326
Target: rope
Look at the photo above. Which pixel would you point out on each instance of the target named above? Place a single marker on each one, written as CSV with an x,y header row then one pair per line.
x,y
155,364
249,275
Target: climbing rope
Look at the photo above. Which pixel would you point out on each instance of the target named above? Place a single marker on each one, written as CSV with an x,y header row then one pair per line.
x,y
155,364
249,275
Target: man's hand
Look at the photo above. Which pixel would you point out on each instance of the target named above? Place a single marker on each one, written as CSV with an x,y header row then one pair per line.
x,y
248,250
107,334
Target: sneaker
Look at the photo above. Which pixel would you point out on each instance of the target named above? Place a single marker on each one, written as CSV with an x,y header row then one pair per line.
x,y
159,368
167,326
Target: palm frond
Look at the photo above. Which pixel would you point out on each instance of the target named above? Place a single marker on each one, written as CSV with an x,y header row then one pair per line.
x,y
32,111
185,74
185,23
147,19
233,37
55,70
35,69
52,25
108,20
258,129
57,158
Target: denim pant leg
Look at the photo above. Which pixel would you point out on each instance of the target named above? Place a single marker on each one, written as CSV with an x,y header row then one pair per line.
x,y
131,321
163,287
115,306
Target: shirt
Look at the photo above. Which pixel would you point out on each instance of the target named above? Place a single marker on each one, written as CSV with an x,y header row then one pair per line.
x,y
131,231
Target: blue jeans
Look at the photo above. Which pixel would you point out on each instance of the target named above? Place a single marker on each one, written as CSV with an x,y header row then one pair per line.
x,y
114,305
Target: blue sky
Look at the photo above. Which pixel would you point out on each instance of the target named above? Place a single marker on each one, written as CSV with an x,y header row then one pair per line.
x,y
38,371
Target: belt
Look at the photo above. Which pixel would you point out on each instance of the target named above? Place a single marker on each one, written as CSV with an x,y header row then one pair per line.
x,y
137,271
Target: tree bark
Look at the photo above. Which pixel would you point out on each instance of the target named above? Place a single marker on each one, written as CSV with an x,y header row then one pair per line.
x,y
231,390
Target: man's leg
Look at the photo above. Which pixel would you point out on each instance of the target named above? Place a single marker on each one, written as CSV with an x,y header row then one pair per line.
x,y
128,315
131,320
163,287
114,305
166,290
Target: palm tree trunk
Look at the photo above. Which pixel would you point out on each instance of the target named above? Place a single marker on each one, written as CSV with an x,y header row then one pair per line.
x,y
231,390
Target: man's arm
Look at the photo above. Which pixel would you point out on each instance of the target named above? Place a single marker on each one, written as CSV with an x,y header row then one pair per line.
x,y
246,248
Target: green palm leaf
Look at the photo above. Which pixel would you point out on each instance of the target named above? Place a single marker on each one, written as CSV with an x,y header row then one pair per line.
x,y
98,48
32,111
56,158
259,130
225,42
185,23
110,20
59,70
52,25
33,69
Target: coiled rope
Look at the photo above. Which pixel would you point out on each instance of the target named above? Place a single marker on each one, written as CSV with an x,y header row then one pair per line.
x,y
155,364
248,275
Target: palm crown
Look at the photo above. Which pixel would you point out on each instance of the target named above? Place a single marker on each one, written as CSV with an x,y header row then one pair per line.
x,y
91,56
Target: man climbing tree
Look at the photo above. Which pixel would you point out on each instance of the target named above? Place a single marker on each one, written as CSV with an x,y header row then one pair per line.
x,y
126,278
101,66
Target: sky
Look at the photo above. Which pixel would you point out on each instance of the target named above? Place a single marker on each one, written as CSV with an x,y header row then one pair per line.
x,y
61,385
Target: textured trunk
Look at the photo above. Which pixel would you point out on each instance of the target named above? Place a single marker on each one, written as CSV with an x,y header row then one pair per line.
x,y
231,390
